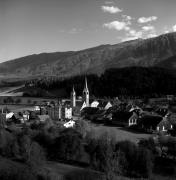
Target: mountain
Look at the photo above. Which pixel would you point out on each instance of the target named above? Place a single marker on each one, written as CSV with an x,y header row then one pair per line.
x,y
159,51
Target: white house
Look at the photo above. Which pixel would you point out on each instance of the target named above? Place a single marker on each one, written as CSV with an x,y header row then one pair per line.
x,y
36,108
108,105
69,124
9,115
94,104
68,113
133,119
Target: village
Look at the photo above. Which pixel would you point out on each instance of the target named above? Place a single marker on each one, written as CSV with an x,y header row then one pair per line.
x,y
151,117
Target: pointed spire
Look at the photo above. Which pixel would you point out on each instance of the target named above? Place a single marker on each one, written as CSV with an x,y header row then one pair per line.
x,y
73,89
85,86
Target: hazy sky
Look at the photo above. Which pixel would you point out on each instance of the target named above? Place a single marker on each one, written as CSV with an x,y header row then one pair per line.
x,y
35,26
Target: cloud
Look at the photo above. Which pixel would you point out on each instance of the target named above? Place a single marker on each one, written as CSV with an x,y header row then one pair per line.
x,y
147,19
148,28
127,18
144,33
111,9
117,25
174,28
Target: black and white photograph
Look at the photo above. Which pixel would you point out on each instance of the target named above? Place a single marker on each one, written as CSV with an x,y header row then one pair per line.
x,y
87,89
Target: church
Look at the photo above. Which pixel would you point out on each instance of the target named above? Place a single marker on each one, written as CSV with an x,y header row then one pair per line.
x,y
79,104
82,103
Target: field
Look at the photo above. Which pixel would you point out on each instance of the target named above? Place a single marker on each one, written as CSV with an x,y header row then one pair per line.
x,y
25,100
118,133
17,108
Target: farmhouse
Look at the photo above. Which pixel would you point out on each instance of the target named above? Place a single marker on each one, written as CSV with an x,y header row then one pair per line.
x,y
149,122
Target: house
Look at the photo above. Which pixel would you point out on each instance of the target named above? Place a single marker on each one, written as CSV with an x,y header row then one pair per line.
x,y
9,115
165,125
26,115
149,122
98,116
69,124
162,110
94,104
108,105
170,97
133,119
17,118
103,104
121,118
36,108
68,112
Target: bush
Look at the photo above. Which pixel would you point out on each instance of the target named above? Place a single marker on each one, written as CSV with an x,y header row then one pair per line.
x,y
82,127
134,161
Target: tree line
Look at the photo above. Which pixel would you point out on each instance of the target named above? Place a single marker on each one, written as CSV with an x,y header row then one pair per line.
x,y
131,81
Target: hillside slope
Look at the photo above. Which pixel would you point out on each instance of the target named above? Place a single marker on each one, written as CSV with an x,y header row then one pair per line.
x,y
150,52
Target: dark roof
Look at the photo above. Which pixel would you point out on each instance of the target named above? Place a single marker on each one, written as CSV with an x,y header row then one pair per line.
x,y
16,116
122,116
150,120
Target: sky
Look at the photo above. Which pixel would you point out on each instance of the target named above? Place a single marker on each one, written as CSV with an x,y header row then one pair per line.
x,y
35,26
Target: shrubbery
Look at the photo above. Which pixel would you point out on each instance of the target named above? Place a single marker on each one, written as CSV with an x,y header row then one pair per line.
x,y
33,146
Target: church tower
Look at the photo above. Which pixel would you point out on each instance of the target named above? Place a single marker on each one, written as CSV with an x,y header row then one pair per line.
x,y
73,98
86,93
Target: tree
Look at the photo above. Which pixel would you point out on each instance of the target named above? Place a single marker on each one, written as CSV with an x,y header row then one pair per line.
x,y
18,101
29,151
82,127
29,101
103,157
136,161
68,146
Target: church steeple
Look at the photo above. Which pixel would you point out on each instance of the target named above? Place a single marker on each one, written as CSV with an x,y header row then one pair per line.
x,y
85,87
86,93
73,97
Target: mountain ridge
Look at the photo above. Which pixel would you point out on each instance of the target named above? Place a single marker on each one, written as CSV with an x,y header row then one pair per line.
x,y
141,52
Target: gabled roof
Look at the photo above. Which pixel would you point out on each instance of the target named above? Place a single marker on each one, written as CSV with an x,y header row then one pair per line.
x,y
134,115
166,123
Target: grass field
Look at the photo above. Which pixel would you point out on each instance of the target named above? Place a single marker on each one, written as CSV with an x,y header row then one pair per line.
x,y
118,133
